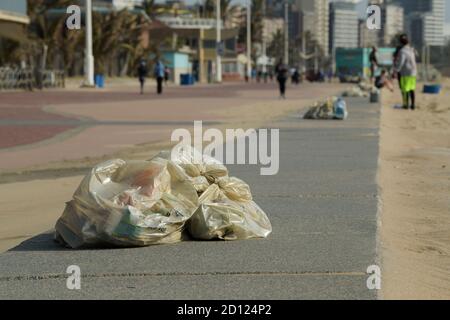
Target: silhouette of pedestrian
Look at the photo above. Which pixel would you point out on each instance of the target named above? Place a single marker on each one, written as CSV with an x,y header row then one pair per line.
x,y
166,75
281,71
159,75
373,63
142,74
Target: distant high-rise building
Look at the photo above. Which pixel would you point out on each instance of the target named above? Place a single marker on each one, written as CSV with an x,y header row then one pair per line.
x,y
271,26
314,17
425,21
343,24
293,22
370,37
411,6
393,23
367,37
276,9
120,4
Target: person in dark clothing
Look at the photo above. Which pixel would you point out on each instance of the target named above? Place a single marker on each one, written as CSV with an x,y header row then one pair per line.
x,y
395,73
281,71
382,81
373,62
295,78
159,75
396,56
142,74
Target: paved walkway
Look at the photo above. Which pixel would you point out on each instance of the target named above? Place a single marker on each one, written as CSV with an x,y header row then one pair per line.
x,y
323,206
52,126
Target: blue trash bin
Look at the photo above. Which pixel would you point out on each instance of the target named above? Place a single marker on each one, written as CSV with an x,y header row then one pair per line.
x,y
186,79
99,81
432,88
183,79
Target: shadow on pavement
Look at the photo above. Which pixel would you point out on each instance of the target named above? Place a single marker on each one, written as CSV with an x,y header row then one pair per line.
x,y
46,242
42,242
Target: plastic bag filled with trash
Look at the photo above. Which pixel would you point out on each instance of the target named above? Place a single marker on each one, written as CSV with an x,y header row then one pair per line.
x,y
140,203
355,92
226,207
340,109
128,203
322,110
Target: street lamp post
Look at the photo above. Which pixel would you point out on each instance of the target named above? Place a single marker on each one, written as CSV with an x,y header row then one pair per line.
x,y
219,44
264,45
249,39
89,57
286,32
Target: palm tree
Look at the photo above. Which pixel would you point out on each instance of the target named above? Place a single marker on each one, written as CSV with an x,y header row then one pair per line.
x,y
150,7
227,10
208,9
49,38
10,52
256,23
110,31
276,46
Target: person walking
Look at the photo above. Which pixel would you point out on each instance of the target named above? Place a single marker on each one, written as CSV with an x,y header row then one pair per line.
x,y
142,74
281,71
159,76
295,78
406,66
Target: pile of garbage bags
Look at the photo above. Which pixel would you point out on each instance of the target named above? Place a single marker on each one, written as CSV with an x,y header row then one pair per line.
x,y
141,203
355,91
363,89
332,109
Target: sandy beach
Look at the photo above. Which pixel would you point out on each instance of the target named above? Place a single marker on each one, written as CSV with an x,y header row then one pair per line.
x,y
414,179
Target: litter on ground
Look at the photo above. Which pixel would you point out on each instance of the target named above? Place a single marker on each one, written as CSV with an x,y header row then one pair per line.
x,y
332,109
141,203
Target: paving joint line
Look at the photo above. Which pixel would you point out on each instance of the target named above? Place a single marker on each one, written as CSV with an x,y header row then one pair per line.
x,y
164,274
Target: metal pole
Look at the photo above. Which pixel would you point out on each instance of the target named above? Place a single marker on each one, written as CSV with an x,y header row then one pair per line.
x,y
264,67
249,39
316,60
428,61
304,52
89,57
424,63
219,43
286,33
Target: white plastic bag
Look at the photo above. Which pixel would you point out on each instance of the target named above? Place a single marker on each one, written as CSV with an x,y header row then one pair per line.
x,y
123,203
140,203
226,209
340,109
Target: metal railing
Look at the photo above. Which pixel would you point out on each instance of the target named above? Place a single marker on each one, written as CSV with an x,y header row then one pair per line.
x,y
29,79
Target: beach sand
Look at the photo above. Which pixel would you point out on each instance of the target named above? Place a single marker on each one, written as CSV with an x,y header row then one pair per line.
x,y
414,179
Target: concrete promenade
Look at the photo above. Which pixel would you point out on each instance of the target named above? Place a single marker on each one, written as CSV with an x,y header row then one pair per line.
x,y
323,206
